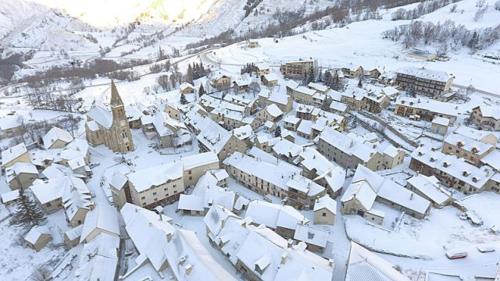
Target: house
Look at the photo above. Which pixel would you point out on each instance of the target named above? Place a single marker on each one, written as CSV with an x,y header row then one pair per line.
x,y
38,237
206,193
186,88
252,44
367,187
134,116
282,219
452,171
196,165
11,125
10,197
291,122
21,175
375,102
425,109
486,117
315,239
15,154
440,125
349,150
56,138
110,128
318,168
325,210
212,137
102,220
98,259
298,69
305,95
262,69
282,100
391,92
168,248
72,236
271,113
365,265
66,192
220,81
242,83
173,111
150,187
261,254
430,188
424,81
269,79
470,150
274,176
337,107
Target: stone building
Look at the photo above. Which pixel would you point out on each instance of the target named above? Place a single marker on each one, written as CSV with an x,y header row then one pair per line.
x,y
487,118
297,69
424,81
110,128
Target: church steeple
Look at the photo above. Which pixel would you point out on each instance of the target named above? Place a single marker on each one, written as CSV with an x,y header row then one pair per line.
x,y
116,100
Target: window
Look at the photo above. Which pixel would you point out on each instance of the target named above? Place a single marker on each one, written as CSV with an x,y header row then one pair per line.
x,y
324,214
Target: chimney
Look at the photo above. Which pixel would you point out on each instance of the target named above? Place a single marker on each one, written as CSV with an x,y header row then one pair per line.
x,y
284,257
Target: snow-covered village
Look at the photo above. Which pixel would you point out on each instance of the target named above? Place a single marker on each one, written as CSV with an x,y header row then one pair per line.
x,y
262,140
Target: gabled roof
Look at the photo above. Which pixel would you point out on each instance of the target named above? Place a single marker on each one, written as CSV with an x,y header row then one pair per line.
x,y
54,135
104,217
13,152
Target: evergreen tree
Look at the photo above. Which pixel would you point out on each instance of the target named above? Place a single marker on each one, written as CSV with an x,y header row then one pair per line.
x,y
189,75
360,83
183,99
277,132
320,76
28,213
201,91
328,79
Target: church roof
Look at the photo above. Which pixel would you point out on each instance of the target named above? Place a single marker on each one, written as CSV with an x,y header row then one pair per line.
x,y
116,100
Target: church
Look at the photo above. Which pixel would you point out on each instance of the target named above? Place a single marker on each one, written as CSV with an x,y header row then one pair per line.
x,y
110,128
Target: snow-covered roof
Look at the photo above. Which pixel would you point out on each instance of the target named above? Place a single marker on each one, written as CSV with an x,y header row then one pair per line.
x,y
492,159
98,259
11,122
476,177
20,168
35,233
326,202
304,90
364,265
13,153
311,235
185,86
101,116
271,77
445,108
441,121
54,135
490,111
425,73
274,110
348,143
103,217
278,172
243,132
362,192
480,135
338,106
199,160
468,144
291,119
10,196
431,188
147,178
262,251
209,133
386,189
390,91
74,233
286,148
161,243
318,87
274,215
